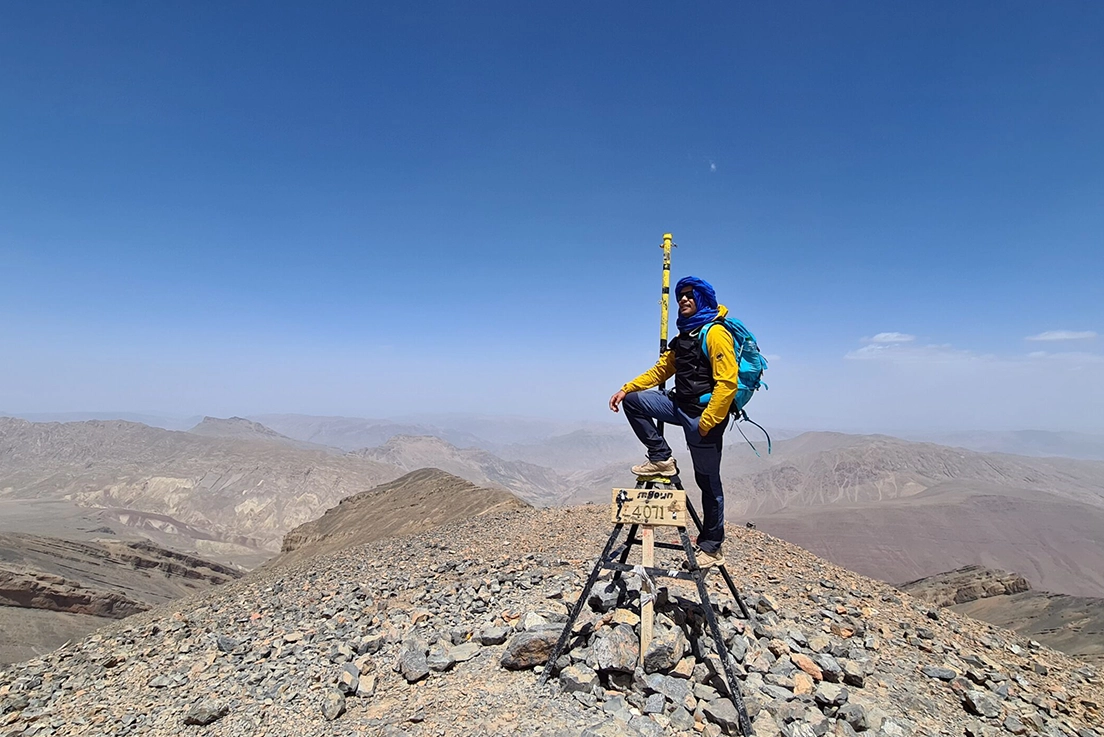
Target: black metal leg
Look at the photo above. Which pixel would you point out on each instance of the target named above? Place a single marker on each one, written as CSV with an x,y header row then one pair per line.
x,y
735,593
724,569
629,542
578,608
718,640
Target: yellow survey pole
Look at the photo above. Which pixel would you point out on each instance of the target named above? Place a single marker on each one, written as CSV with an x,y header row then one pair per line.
x,y
665,297
665,302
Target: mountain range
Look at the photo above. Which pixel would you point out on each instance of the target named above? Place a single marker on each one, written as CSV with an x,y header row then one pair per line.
x,y
232,490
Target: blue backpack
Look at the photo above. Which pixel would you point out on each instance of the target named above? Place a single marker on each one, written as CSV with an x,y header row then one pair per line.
x,y
752,366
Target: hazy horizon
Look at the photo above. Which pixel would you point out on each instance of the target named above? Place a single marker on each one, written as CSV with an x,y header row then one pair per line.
x,y
446,419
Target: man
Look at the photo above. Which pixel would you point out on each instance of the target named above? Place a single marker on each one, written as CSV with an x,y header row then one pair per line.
x,y
705,387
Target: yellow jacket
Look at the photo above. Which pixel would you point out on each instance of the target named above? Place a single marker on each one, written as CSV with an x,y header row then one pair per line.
x,y
726,373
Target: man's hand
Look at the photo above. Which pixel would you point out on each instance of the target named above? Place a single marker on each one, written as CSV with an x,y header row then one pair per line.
x,y
701,430
615,401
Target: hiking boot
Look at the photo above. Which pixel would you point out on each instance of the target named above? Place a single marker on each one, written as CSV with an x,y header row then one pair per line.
x,y
656,468
706,560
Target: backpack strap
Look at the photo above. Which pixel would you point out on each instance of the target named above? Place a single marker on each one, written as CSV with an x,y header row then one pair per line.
x,y
737,344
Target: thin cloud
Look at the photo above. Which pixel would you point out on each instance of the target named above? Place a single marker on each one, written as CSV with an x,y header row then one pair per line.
x,y
1068,357
712,165
1063,335
902,352
891,338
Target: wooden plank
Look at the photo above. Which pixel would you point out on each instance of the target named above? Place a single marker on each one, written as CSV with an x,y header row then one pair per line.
x,y
647,610
661,507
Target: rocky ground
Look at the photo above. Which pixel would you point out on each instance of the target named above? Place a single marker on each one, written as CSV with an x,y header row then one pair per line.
x,y
443,633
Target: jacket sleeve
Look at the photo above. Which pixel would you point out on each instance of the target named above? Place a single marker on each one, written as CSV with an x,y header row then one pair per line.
x,y
663,370
726,377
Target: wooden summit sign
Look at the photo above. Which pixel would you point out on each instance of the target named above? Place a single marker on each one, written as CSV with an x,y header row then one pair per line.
x,y
666,507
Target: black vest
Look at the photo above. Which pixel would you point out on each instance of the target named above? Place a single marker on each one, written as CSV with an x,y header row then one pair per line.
x,y
693,372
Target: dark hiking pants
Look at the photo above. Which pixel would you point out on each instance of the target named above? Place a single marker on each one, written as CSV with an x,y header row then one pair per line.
x,y
642,409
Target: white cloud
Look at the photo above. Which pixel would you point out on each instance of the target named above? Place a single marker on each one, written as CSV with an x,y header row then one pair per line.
x,y
712,165
901,352
1063,335
892,338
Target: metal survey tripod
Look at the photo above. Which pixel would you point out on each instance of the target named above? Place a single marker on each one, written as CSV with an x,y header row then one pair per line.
x,y
615,558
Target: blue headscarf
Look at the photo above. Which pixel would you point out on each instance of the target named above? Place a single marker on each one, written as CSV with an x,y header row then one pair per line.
x,y
704,297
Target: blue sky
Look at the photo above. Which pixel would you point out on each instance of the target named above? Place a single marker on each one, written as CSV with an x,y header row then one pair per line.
x,y
231,208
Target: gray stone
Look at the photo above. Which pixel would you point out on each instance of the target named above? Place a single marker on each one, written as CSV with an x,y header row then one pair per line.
x,y
578,678
464,652
645,727
843,728
615,704
527,649
412,664
829,667
440,660
616,649
610,596
854,674
765,604
665,650
854,715
367,685
654,704
14,702
1014,725
765,725
830,694
333,704
532,622
891,728
722,713
206,713
777,692
604,729
390,730
675,690
940,672
494,635
705,692
981,703
681,720
370,645
348,682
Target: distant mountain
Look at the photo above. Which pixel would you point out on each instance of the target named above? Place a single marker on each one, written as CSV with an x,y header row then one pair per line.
x,y
581,450
533,484
165,422
818,469
1085,446
494,431
352,433
239,493
243,429
414,503
1072,624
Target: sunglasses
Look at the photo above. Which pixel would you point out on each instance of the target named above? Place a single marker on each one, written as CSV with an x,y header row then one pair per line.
x,y
685,295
